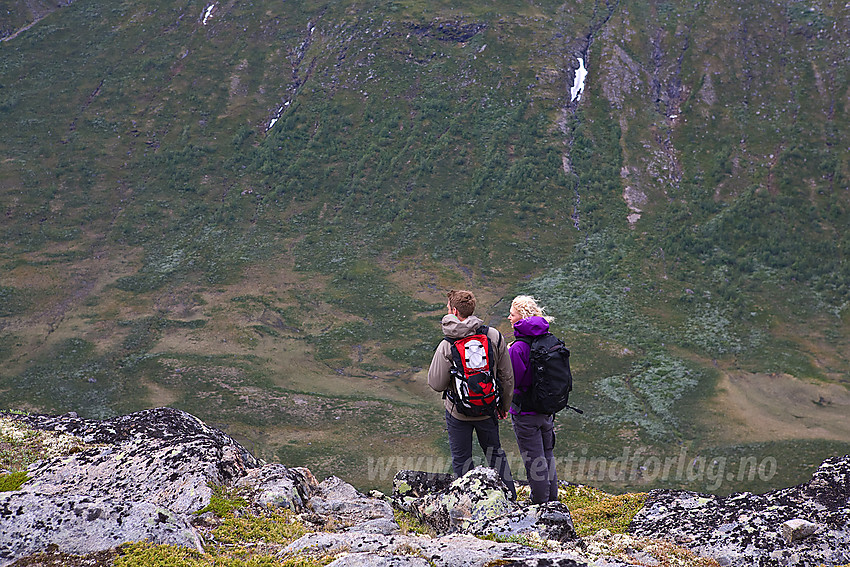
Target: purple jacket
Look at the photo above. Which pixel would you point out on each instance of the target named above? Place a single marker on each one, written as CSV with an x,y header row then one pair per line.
x,y
520,353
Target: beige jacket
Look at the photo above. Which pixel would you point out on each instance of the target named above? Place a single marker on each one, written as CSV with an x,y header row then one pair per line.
x,y
439,377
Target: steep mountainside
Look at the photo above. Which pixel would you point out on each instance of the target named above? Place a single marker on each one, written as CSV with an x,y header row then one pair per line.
x,y
251,211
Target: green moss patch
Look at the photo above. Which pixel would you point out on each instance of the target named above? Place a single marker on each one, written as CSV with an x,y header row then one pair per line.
x,y
12,481
593,510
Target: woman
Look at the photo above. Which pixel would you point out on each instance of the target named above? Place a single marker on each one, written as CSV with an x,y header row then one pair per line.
x,y
535,433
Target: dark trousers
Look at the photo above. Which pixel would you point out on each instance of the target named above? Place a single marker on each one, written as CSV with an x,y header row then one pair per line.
x,y
535,436
487,431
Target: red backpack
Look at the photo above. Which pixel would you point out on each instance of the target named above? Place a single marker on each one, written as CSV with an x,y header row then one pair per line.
x,y
474,390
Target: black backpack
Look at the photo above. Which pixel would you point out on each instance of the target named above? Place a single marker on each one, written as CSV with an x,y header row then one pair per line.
x,y
474,388
552,380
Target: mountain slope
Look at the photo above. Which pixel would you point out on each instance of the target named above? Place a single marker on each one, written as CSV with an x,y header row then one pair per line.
x,y
252,211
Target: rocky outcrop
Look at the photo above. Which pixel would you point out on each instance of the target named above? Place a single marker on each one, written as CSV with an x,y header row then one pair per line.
x,y
478,504
277,486
804,525
142,478
456,31
146,475
456,550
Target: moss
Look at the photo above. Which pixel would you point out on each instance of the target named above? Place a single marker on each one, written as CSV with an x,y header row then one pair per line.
x,y
278,527
12,481
593,510
19,445
52,557
223,502
144,554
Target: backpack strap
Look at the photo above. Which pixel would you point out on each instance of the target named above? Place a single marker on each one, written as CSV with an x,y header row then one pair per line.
x,y
484,330
498,342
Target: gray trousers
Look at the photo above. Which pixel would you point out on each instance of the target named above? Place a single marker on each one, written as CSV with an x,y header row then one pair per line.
x,y
487,431
535,436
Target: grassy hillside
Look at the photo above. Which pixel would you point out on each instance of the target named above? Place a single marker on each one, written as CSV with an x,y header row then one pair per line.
x,y
253,211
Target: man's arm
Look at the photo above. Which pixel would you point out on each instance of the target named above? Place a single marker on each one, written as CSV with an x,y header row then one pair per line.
x,y
439,377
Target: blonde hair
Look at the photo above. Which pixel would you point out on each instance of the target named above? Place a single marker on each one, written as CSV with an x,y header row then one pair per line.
x,y
527,307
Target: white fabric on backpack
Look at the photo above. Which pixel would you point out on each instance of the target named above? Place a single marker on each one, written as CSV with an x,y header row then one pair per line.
x,y
476,355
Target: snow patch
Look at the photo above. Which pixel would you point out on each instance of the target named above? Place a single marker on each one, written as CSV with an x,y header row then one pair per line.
x,y
277,116
208,12
578,83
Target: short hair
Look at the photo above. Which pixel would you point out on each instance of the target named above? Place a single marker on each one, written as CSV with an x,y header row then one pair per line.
x,y
527,307
463,301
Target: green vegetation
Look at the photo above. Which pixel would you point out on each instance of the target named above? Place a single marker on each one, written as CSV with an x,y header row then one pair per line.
x,y
145,554
223,502
410,524
12,481
278,527
255,219
243,540
21,445
12,301
593,509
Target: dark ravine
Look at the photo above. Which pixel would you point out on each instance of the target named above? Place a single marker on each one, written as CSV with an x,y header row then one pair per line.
x,y
144,475
597,24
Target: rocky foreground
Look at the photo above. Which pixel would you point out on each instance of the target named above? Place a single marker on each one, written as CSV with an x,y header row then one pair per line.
x,y
145,476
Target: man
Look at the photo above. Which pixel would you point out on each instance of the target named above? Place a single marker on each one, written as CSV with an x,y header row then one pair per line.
x,y
458,324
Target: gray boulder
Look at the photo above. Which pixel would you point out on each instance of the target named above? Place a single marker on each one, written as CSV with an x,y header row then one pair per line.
x,y
804,525
549,521
338,505
455,550
411,485
79,524
479,504
467,505
151,471
276,486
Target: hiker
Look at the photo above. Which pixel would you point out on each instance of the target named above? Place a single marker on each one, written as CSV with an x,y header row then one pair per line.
x,y
490,397
535,432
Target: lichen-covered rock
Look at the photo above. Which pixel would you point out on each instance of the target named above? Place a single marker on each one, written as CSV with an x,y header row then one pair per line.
x,y
340,504
416,484
277,486
467,505
79,524
479,504
455,550
549,521
752,529
375,560
152,470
